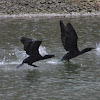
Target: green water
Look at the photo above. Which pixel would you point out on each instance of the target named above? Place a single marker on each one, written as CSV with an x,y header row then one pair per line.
x,y
79,80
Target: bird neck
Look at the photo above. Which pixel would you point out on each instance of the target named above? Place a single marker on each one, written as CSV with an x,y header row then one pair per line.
x,y
48,56
85,50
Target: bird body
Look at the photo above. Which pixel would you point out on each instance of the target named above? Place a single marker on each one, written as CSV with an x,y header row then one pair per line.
x,y
32,49
73,54
70,55
29,60
69,40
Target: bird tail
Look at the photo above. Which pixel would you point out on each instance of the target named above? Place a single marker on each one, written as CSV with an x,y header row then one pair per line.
x,y
48,56
20,65
65,57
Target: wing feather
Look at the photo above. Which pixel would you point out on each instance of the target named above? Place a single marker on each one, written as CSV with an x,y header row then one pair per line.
x,y
68,37
31,46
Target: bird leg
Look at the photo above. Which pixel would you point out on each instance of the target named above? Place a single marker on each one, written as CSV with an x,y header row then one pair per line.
x,y
34,65
68,61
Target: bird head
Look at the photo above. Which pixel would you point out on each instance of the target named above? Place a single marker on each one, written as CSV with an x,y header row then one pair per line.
x,y
86,50
92,49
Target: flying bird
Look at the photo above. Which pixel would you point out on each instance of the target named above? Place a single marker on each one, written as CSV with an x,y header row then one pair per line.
x,y
32,49
69,40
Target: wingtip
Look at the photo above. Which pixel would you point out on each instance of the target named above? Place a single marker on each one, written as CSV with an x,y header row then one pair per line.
x,y
68,23
23,38
61,22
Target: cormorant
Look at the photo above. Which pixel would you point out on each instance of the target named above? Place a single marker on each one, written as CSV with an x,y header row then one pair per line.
x,y
69,40
31,47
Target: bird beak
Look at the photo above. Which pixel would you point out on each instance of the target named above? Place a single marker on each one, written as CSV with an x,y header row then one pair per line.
x,y
93,48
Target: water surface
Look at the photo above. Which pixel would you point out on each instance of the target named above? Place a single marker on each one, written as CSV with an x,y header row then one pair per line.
x,y
79,80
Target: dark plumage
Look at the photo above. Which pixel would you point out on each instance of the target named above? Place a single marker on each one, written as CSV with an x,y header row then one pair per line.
x,y
69,40
31,47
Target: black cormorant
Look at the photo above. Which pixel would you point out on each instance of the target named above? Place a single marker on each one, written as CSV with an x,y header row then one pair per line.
x,y
32,49
69,40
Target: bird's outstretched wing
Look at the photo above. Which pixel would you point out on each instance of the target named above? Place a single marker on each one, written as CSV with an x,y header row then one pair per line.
x,y
68,37
31,46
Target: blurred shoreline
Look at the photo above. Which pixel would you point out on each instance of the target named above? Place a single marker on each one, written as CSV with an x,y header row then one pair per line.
x,y
42,15
49,8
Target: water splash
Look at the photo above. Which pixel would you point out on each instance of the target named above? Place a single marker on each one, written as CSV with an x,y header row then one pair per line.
x,y
98,49
16,56
20,54
54,61
42,50
8,63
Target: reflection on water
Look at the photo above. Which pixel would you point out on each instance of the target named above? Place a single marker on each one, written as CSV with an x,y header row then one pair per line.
x,y
52,80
